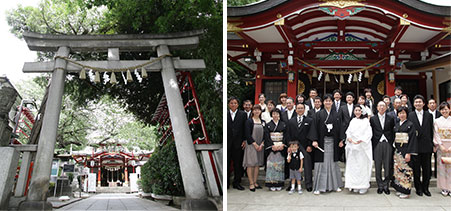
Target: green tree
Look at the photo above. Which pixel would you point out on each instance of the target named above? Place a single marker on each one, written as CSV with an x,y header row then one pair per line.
x,y
137,17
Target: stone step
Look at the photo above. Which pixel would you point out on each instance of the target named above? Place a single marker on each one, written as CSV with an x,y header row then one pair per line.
x,y
113,189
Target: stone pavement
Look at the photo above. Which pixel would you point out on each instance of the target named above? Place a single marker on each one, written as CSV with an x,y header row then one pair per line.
x,y
264,199
114,201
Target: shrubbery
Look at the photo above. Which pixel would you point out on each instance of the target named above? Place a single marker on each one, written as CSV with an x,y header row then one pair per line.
x,y
161,174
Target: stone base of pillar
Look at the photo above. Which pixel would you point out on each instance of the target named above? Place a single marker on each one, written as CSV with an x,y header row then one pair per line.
x,y
35,205
8,168
198,204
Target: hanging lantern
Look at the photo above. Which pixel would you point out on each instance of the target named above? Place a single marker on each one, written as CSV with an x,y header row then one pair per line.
x,y
367,75
327,78
315,74
113,78
354,78
129,76
97,77
143,73
342,80
83,74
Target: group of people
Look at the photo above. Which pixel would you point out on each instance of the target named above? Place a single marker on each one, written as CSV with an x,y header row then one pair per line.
x,y
309,136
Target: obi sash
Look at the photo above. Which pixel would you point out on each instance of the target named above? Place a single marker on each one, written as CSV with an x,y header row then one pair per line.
x,y
401,138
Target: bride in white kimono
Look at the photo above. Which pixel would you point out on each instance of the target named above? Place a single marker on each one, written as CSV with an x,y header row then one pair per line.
x,y
359,154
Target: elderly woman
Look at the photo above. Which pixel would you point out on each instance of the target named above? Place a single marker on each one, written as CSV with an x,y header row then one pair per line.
x,y
442,141
254,131
275,148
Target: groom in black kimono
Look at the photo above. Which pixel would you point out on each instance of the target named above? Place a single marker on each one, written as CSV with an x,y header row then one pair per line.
x,y
424,125
298,128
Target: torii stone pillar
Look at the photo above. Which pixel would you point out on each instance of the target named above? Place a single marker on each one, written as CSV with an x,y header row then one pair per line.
x,y
189,166
36,198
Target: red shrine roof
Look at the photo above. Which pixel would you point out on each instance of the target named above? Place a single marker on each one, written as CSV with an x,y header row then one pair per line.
x,y
321,32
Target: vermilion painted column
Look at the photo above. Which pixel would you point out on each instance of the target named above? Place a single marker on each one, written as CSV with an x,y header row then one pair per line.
x,y
258,81
126,175
99,177
292,86
389,87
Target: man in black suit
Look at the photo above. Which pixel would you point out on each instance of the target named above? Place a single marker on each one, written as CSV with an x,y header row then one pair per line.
x,y
235,142
312,95
382,141
394,112
432,108
298,127
424,126
346,113
317,107
337,100
370,100
247,106
290,112
398,93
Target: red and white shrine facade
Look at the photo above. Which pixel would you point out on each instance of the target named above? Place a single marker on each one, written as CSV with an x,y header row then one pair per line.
x,y
292,46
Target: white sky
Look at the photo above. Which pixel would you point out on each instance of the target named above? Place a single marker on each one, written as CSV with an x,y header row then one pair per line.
x,y
14,52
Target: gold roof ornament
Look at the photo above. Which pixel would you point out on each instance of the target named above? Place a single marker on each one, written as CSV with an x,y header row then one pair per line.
x,y
341,3
233,27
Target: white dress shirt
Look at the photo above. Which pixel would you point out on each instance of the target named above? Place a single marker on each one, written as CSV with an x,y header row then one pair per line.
x,y
290,113
350,107
382,120
420,116
433,114
248,113
233,114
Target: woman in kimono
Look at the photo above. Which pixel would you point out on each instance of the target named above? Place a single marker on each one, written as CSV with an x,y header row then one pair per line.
x,y
254,131
405,145
325,133
359,154
442,141
275,148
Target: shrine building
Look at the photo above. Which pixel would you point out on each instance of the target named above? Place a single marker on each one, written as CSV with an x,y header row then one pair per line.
x,y
293,46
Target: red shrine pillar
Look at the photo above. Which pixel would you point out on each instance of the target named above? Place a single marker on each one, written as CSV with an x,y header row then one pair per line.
x,y
258,81
99,177
292,85
389,86
126,175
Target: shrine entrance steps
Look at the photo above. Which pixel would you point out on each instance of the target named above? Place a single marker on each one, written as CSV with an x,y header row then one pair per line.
x,y
113,190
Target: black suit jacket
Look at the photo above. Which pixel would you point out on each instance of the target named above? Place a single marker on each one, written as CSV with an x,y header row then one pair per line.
x,y
394,115
309,103
335,107
284,116
235,129
388,130
299,133
249,127
425,132
311,113
345,119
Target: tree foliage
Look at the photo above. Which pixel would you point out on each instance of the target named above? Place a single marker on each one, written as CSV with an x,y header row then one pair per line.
x,y
136,17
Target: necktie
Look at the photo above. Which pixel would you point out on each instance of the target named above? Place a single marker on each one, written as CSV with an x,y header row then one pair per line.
x,y
382,121
336,105
299,121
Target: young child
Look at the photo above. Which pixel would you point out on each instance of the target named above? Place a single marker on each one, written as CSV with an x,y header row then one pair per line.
x,y
295,160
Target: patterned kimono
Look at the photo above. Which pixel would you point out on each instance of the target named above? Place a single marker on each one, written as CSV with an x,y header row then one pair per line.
x,y
275,164
442,136
405,142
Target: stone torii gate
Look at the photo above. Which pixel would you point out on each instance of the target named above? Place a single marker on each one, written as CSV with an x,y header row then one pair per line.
x,y
63,45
